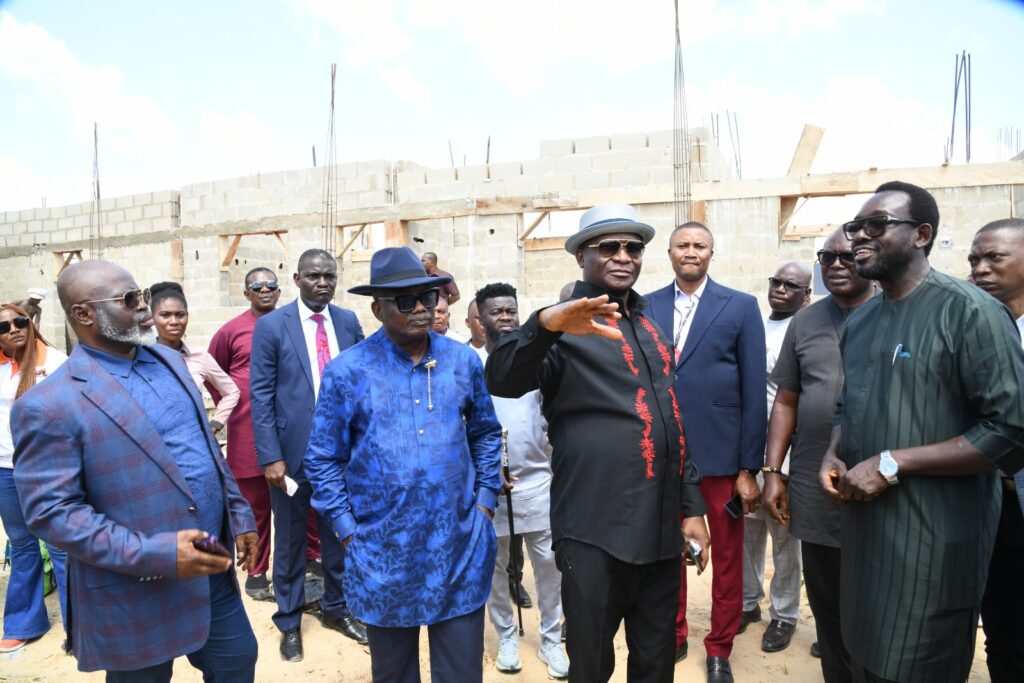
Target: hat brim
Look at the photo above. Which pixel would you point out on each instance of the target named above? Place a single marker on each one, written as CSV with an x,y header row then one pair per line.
x,y
410,283
576,241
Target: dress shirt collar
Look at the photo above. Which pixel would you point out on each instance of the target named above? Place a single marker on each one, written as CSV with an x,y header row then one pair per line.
x,y
305,312
696,295
1020,326
116,365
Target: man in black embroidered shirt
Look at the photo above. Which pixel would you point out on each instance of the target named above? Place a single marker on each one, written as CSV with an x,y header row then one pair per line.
x,y
621,475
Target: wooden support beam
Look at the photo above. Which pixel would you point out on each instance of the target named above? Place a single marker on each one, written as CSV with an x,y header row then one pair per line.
x,y
396,233
806,150
534,225
281,242
544,244
177,261
352,240
228,252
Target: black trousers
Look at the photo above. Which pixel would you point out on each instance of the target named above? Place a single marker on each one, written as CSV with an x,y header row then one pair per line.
x,y
821,579
1003,602
456,651
862,675
598,593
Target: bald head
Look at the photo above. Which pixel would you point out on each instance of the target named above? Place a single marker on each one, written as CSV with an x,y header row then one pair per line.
x,y
92,294
798,271
89,280
789,289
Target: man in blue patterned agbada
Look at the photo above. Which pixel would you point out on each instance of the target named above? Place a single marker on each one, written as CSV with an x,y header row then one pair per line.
x,y
404,461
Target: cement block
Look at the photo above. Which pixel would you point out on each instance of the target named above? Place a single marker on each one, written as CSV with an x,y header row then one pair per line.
x,y
591,181
646,158
591,145
503,171
122,202
165,196
197,189
82,221
580,163
113,216
142,199
215,200
375,166
457,190
556,183
373,198
165,223
411,179
58,212
661,138
628,141
609,161
406,166
472,173
633,177
76,235
440,176
539,166
557,148
522,186
42,213
662,175
26,214
190,204
152,211
363,183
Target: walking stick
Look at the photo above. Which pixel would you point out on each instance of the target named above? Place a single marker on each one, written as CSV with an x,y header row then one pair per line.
x,y
511,525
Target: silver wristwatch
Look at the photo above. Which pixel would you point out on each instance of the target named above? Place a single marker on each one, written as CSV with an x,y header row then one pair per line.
x,y
888,467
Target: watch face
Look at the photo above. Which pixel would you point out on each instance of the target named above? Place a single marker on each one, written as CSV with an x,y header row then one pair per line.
x,y
888,467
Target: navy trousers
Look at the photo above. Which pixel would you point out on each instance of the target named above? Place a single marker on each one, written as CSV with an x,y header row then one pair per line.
x,y
1003,602
229,655
291,514
456,651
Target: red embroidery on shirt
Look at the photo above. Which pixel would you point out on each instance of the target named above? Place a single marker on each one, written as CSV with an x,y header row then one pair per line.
x,y
666,357
646,444
627,350
679,423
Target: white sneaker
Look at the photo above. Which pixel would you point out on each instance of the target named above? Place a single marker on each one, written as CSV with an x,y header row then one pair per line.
x,y
554,656
508,655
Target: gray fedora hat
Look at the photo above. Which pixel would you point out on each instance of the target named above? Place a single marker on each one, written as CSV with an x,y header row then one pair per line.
x,y
605,219
397,268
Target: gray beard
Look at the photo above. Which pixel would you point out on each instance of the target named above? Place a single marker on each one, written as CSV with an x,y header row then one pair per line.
x,y
132,335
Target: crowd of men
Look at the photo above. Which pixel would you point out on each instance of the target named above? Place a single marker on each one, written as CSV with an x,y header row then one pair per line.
x,y
615,438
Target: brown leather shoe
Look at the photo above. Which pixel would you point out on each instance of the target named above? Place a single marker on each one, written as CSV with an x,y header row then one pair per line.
x,y
777,636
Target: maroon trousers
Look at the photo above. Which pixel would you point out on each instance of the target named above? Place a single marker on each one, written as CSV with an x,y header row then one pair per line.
x,y
726,570
256,492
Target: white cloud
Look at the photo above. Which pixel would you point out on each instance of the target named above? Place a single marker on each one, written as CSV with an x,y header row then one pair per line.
x,y
85,93
406,86
20,186
238,143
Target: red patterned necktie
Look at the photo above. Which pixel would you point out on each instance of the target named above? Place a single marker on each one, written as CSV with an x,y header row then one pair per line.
x,y
323,349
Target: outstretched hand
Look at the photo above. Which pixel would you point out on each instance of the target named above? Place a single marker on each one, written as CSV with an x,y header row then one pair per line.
x,y
577,317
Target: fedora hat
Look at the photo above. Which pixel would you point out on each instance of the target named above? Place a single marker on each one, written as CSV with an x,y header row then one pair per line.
x,y
397,268
606,219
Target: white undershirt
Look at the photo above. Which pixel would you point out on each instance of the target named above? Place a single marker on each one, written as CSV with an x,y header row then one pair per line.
x,y
309,332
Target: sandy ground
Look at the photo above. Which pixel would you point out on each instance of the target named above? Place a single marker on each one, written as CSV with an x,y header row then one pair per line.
x,y
330,657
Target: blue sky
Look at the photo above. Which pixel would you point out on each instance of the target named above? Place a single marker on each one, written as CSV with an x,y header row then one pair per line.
x,y
190,91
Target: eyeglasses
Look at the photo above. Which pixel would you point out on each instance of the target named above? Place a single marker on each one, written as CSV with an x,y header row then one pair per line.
x,y
406,302
873,226
130,299
263,284
20,322
609,248
827,258
774,282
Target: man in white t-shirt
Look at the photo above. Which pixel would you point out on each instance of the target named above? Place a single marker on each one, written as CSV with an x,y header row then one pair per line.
x,y
789,290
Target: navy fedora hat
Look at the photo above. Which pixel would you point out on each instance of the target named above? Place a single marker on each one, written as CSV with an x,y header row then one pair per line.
x,y
606,219
397,268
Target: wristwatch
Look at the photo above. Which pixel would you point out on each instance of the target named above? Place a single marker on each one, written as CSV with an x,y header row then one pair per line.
x,y
888,467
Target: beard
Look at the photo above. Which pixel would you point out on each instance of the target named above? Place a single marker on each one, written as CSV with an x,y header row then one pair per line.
x,y
133,335
885,265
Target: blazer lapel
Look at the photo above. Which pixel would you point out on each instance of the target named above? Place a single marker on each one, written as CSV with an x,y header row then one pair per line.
x,y
293,327
710,305
339,327
109,396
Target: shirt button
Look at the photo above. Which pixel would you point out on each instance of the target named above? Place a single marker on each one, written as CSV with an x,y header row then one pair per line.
x,y
417,401
191,508
421,431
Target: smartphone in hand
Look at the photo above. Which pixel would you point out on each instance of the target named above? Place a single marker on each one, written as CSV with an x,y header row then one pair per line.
x,y
695,555
211,544
734,507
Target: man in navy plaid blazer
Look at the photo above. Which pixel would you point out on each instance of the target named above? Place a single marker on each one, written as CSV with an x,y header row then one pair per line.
x,y
115,464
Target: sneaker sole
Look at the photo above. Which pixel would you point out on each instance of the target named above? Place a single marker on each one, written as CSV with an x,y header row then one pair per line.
x,y
508,669
552,675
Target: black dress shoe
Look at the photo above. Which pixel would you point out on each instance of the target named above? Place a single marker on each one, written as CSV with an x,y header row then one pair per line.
x,y
520,597
750,617
777,636
815,650
291,646
719,670
347,626
682,651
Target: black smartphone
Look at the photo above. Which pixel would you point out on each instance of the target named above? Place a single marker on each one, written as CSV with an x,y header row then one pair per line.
x,y
734,507
211,544
693,552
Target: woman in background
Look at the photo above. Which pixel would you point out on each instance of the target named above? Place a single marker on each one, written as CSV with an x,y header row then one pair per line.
x,y
25,359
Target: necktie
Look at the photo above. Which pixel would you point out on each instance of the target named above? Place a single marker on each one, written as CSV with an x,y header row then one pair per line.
x,y
323,349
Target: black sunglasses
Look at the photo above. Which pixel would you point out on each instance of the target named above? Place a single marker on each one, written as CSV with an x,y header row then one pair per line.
x,y
827,258
609,248
873,226
130,299
406,302
263,284
21,322
774,282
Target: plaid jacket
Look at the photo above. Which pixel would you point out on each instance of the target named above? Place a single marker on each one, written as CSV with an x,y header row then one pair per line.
x,y
96,480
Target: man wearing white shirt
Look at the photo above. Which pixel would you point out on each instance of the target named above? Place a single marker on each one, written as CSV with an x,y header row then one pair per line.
x,y
290,349
997,266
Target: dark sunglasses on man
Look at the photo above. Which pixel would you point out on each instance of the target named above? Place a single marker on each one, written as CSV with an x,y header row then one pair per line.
x,y
130,299
873,226
405,303
827,258
609,248
264,284
20,322
774,282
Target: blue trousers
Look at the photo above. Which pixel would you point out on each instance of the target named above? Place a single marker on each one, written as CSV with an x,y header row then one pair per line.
x,y
291,516
229,655
456,651
24,608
